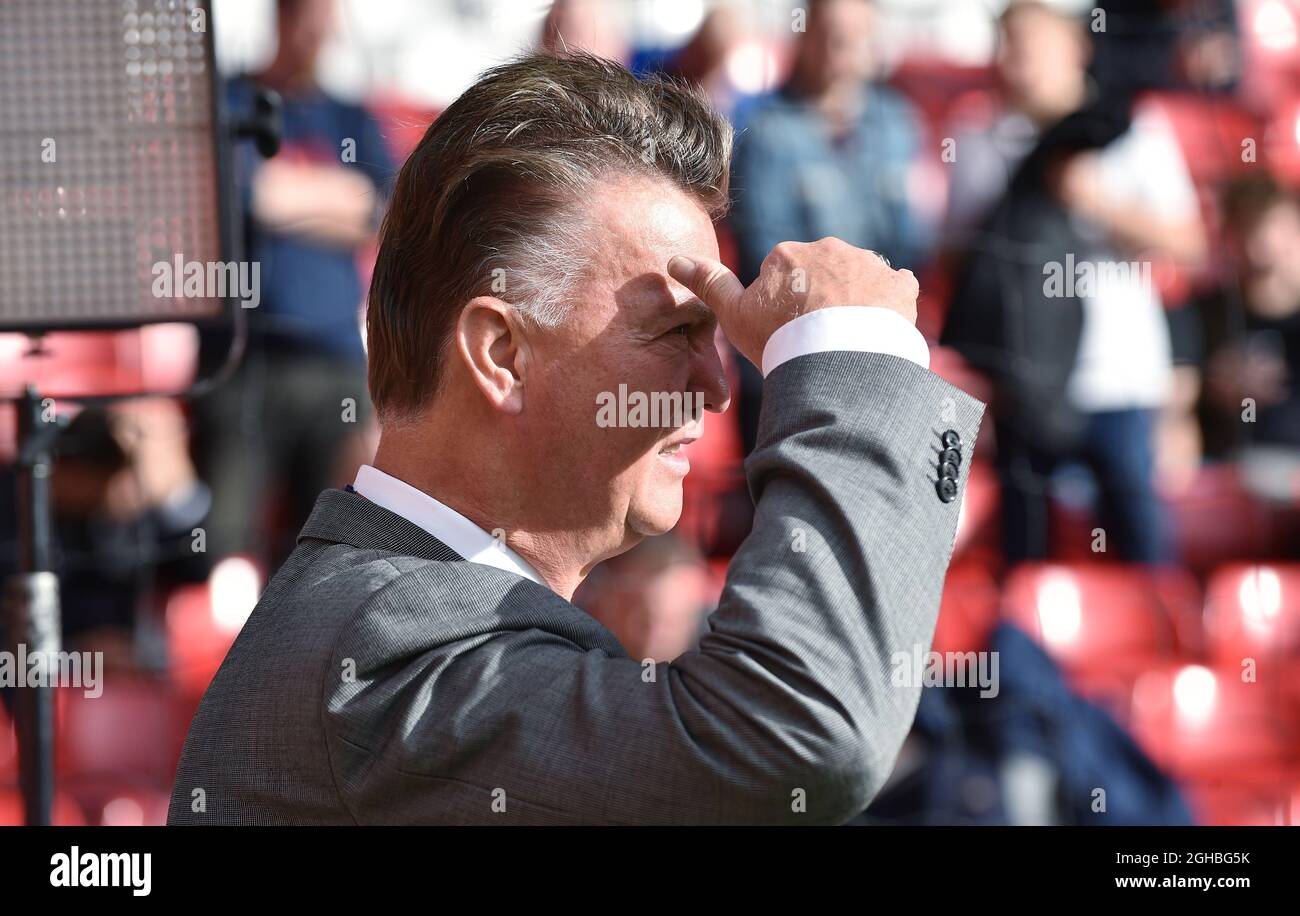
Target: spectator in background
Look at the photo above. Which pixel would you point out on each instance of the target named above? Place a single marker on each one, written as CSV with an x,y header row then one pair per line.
x,y
1208,53
282,426
827,155
125,501
1042,63
1063,178
707,59
1251,329
593,26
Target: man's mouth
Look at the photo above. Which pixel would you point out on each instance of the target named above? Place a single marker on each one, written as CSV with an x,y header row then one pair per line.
x,y
674,455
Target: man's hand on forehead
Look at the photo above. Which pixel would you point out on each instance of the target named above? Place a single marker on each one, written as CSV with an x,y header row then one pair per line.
x,y
796,278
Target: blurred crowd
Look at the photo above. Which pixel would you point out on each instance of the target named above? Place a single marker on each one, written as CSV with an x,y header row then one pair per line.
x,y
1105,217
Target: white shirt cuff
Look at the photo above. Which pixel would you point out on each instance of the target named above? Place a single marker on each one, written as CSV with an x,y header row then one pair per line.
x,y
865,329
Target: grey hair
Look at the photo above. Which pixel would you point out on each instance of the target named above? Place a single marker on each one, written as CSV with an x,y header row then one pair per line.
x,y
536,273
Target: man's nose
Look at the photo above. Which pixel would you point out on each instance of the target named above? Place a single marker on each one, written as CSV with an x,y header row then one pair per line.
x,y
710,379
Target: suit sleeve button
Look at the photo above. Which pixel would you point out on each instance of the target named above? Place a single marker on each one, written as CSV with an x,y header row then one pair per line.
x,y
947,489
949,470
950,456
951,439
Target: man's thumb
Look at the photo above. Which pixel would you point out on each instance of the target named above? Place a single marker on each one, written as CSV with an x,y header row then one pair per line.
x,y
716,286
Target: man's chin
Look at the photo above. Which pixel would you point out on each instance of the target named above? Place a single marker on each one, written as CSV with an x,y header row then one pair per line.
x,y
658,516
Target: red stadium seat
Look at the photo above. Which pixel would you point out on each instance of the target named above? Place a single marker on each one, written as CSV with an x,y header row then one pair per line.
x,y
1203,724
968,611
66,812
69,362
160,357
203,621
168,356
1253,611
121,800
8,749
129,731
950,366
978,520
196,643
130,807
1103,623
1267,32
1229,805
1209,130
1217,521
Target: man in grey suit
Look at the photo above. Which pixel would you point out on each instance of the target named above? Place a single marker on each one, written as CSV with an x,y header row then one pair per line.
x,y
550,244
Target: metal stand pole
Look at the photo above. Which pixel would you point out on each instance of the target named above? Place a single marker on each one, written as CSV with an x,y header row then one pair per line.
x,y
32,607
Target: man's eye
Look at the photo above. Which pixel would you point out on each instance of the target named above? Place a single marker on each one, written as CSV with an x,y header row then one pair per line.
x,y
681,329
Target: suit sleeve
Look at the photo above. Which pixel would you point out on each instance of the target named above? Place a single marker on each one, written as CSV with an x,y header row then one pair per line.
x,y
789,712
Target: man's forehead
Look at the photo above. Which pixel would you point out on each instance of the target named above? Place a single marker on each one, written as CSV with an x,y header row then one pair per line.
x,y
636,225
641,218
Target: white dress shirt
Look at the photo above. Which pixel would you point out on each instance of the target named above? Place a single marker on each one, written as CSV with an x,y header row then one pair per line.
x,y
1125,359
441,521
869,329
864,329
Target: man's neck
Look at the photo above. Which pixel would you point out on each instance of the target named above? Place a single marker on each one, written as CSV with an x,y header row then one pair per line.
x,y
474,489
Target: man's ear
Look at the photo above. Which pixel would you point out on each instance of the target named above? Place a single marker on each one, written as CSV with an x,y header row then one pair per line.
x,y
490,342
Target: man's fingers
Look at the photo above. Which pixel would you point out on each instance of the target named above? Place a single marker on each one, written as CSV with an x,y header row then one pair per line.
x,y
716,286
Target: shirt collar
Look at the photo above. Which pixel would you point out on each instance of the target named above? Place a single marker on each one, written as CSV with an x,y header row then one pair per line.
x,y
441,521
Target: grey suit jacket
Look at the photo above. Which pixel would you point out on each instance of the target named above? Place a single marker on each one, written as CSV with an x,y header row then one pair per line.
x,y
383,679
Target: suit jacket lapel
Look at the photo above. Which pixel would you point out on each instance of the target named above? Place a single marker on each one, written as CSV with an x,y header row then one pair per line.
x,y
342,517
